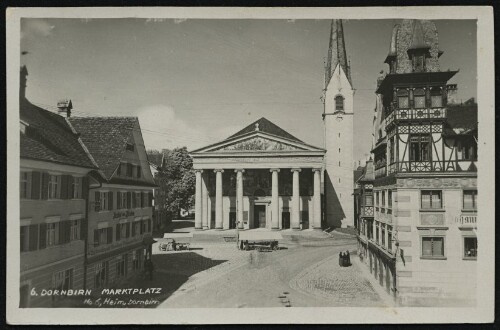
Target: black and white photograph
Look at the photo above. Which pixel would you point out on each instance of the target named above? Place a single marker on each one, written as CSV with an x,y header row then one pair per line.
x,y
280,166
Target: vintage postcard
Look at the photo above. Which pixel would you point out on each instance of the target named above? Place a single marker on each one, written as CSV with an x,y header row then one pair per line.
x,y
250,165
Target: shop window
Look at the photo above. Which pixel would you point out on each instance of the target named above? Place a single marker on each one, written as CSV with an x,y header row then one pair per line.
x,y
136,259
470,200
63,280
470,247
419,98
339,103
420,148
403,102
432,247
431,199
121,266
101,274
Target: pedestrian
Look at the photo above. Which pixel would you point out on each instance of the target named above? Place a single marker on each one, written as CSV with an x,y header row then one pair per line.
x,y
340,259
348,257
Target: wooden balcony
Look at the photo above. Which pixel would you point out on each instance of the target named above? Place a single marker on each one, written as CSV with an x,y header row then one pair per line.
x,y
399,115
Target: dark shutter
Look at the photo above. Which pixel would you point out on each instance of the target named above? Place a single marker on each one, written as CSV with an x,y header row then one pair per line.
x,y
33,237
133,228
35,185
142,226
62,226
129,199
118,200
133,200
110,235
150,199
110,200
142,199
85,187
139,172
64,187
97,199
83,228
43,236
70,187
96,237
45,185
128,229
149,225
118,232
67,231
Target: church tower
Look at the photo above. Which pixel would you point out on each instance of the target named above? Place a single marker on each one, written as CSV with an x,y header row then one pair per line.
x,y
338,124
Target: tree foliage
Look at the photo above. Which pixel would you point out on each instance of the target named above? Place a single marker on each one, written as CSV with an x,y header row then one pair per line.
x,y
176,180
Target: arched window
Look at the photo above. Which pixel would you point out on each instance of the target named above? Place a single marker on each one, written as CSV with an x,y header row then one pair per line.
x,y
339,103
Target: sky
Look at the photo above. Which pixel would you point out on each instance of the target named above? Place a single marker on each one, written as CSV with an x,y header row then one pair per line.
x,y
195,82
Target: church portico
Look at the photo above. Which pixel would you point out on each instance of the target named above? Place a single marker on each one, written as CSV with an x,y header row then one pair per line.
x,y
258,179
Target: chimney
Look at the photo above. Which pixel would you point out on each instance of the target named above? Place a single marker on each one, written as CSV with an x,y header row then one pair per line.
x,y
22,82
451,94
65,107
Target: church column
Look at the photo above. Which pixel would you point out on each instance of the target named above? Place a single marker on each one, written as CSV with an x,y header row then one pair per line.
x,y
295,200
198,206
275,200
239,198
317,198
204,204
218,199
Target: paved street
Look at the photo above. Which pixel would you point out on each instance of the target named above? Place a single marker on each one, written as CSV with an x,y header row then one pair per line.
x,y
304,273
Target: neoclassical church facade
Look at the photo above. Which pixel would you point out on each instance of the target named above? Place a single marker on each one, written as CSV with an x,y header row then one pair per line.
x,y
264,177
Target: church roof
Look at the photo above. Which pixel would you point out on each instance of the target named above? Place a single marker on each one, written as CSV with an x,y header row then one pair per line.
x,y
336,51
264,125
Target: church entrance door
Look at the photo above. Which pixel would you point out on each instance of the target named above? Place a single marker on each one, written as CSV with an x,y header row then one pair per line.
x,y
260,216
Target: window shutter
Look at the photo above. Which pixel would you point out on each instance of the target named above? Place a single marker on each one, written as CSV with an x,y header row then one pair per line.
x,y
150,199
142,227
64,187
118,232
110,235
62,226
129,199
70,186
85,187
43,235
35,185
110,200
128,229
139,172
83,228
96,237
45,185
33,237
142,199
149,225
132,195
133,229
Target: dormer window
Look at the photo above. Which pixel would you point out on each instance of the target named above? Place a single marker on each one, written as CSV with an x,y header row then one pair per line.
x,y
339,103
129,147
418,63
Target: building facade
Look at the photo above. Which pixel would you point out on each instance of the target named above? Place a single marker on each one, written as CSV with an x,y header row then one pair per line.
x,y
53,190
420,242
260,177
120,201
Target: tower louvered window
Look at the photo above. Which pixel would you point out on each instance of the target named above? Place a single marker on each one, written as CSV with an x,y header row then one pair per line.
x,y
339,103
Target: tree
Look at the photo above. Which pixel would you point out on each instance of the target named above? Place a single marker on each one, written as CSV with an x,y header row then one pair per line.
x,y
176,180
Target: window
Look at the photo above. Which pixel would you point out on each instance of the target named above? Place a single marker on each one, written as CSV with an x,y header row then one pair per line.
x,y
63,280
369,229
136,259
431,199
436,98
466,150
121,266
136,228
470,199
137,199
104,201
24,185
339,103
77,188
403,99
420,149
74,230
383,198
51,236
123,200
470,247
24,238
129,147
139,172
389,198
53,186
432,247
389,238
103,236
419,98
383,234
101,274
368,200
377,227
418,63
377,198
129,170
391,150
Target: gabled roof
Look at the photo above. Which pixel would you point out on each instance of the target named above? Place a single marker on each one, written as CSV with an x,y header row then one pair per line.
x,y
49,137
265,126
105,138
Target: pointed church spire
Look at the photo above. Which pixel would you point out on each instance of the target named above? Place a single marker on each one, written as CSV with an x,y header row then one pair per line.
x,y
337,52
417,41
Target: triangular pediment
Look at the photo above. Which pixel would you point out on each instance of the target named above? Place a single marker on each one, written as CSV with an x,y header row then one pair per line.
x,y
259,142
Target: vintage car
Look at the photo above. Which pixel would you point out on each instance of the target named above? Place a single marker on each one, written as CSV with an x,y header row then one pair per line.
x,y
175,241
259,240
